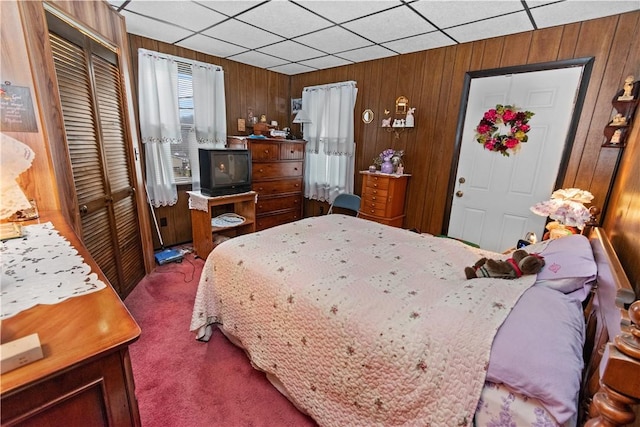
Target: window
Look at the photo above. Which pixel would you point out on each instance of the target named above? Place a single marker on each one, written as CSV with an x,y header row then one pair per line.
x,y
180,152
181,108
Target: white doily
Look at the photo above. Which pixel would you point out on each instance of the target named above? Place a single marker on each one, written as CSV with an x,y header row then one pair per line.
x,y
227,220
42,268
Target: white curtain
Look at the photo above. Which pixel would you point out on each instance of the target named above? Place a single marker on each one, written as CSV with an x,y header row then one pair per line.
x,y
329,160
159,124
210,114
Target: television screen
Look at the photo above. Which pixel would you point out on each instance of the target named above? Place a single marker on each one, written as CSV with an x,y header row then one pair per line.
x,y
224,172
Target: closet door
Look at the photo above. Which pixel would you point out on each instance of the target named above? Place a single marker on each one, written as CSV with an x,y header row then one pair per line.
x,y
90,89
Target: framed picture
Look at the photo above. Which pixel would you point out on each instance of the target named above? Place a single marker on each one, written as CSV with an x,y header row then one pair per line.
x,y
296,105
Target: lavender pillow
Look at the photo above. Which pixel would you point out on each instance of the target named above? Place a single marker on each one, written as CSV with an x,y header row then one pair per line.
x,y
538,350
569,263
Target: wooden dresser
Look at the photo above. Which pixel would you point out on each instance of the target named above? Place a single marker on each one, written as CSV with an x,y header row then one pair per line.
x,y
85,377
277,177
383,197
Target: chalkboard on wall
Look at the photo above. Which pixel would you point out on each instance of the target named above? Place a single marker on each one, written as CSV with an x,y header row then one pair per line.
x,y
16,109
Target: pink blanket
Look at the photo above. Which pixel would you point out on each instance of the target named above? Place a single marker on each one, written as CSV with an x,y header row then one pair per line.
x,y
363,324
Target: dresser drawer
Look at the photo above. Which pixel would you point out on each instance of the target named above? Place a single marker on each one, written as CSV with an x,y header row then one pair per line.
x,y
291,151
375,194
374,209
270,188
377,182
261,151
278,204
276,170
281,218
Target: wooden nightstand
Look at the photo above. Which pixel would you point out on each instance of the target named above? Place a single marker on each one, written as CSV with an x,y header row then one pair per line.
x,y
383,197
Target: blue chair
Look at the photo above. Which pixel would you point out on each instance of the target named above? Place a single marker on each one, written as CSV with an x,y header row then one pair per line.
x,y
350,202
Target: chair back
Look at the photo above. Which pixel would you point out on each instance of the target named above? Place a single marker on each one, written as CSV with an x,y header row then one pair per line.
x,y
346,201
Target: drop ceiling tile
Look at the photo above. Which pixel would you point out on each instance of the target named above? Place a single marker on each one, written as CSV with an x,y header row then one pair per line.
x,y
390,25
229,8
117,3
258,59
332,40
324,62
461,12
421,42
291,69
343,11
186,14
572,11
366,53
205,44
234,31
291,50
503,25
150,28
284,18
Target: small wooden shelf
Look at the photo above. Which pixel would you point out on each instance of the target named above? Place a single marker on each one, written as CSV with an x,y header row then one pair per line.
x,y
626,109
243,204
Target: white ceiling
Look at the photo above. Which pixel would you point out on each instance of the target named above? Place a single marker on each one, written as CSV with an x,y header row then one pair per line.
x,y
292,37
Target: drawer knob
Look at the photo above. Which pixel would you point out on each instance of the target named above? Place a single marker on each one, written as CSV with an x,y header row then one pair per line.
x,y
292,151
260,189
295,169
261,170
266,151
297,185
373,198
375,185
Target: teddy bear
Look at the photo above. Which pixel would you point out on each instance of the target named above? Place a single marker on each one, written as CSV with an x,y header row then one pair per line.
x,y
521,262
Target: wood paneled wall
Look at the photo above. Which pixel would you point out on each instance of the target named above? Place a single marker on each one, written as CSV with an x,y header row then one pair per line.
x,y
38,182
433,80
27,61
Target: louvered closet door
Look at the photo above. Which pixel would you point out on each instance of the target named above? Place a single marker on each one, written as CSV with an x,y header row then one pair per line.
x,y
91,97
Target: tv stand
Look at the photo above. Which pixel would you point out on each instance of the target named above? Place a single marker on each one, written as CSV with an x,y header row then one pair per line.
x,y
243,204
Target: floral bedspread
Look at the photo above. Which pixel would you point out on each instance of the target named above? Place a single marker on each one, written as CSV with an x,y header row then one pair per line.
x,y
363,324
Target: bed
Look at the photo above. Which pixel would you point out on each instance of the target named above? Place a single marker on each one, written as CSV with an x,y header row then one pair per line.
x,y
363,324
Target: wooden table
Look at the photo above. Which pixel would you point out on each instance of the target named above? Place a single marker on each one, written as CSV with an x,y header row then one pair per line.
x,y
243,204
85,377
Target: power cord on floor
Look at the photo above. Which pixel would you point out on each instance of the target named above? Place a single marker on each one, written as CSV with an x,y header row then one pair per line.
x,y
193,269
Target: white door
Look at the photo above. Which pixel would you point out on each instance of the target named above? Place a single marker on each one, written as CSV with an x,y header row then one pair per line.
x,y
493,193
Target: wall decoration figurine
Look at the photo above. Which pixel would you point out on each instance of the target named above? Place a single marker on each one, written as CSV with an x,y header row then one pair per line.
x,y
617,135
386,122
627,89
619,120
409,121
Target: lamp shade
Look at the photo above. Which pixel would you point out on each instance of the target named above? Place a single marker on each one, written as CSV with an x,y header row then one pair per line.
x,y
566,206
15,158
301,117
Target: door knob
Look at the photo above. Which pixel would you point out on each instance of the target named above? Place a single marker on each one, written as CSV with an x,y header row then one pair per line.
x,y
459,193
461,180
84,209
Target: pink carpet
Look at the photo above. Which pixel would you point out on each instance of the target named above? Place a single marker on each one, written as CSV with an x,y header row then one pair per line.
x,y
184,382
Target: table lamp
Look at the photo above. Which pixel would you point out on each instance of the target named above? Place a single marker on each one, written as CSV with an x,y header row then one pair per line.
x,y
15,158
302,118
567,208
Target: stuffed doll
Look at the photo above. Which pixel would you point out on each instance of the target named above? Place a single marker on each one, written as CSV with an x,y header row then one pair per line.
x,y
520,263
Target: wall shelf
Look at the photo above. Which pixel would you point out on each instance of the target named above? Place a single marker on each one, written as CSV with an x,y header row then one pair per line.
x,y
621,123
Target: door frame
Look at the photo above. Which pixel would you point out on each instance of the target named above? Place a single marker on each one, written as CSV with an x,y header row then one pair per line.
x,y
587,65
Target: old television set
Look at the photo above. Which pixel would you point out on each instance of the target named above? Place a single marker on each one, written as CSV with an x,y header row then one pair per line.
x,y
224,171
